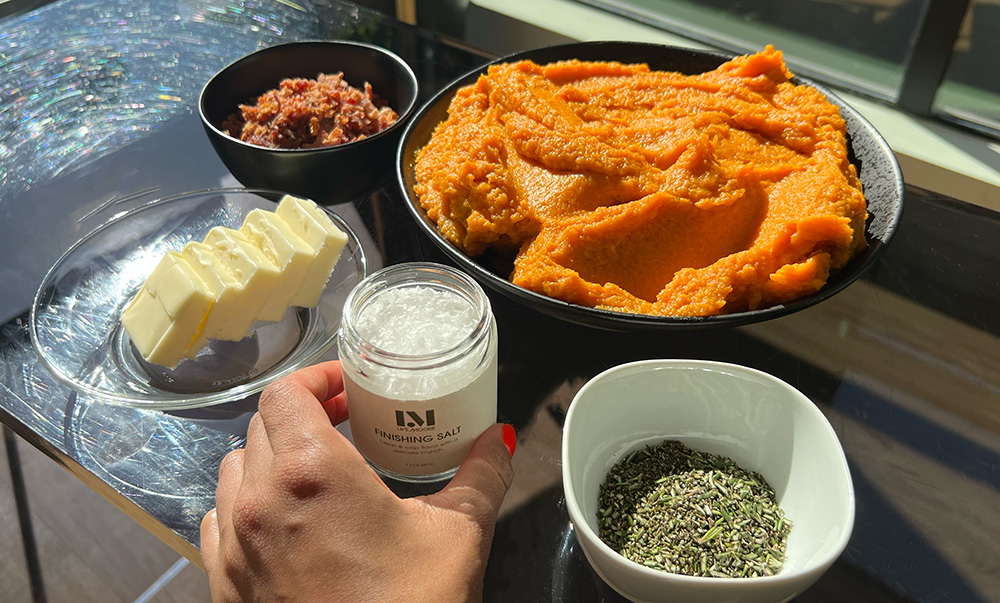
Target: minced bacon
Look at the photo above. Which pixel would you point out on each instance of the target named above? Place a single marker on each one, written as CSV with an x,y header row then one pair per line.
x,y
304,113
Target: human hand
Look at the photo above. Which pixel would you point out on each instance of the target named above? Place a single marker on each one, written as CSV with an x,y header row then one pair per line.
x,y
300,516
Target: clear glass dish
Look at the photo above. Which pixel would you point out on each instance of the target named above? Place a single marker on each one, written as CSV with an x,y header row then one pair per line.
x,y
76,328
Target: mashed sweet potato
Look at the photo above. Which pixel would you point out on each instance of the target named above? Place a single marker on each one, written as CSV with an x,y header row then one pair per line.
x,y
644,191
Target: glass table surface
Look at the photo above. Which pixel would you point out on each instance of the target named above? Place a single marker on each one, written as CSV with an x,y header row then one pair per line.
x,y
99,116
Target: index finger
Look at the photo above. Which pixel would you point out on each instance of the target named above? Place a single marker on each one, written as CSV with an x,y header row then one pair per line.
x,y
293,408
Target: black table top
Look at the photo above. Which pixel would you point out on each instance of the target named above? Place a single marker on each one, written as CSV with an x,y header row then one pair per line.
x,y
905,363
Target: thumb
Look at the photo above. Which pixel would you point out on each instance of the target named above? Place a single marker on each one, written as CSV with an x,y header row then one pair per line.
x,y
482,481
209,541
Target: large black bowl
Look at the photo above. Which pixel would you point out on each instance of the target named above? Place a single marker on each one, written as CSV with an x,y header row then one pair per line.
x,y
877,167
329,174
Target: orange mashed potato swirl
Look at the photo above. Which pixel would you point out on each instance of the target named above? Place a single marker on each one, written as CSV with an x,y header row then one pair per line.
x,y
645,191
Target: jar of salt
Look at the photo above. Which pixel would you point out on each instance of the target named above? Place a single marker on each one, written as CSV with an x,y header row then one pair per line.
x,y
418,348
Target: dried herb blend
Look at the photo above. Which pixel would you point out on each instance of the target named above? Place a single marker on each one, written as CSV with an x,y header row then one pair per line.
x,y
680,510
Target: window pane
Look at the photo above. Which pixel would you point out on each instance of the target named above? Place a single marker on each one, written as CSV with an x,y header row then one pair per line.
x,y
861,44
971,90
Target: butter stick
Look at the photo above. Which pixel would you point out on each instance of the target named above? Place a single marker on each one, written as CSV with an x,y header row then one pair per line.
x,y
218,288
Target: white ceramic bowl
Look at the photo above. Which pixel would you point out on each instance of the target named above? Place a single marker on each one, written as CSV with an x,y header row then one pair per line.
x,y
759,421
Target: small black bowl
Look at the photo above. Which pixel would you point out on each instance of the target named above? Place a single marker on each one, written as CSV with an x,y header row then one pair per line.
x,y
877,168
326,175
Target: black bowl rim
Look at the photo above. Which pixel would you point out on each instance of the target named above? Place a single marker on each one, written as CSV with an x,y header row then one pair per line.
x,y
624,321
400,120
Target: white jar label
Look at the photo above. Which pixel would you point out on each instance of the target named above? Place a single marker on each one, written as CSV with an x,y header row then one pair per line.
x,y
421,437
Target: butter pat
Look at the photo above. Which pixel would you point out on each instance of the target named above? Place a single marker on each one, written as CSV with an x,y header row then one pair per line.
x,y
168,315
312,225
229,318
286,250
254,273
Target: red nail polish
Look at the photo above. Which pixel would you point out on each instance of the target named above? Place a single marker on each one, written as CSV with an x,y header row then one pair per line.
x,y
509,438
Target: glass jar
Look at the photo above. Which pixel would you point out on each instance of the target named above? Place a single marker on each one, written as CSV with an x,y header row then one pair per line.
x,y
418,348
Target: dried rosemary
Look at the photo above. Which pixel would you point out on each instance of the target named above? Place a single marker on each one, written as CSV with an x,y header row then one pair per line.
x,y
680,510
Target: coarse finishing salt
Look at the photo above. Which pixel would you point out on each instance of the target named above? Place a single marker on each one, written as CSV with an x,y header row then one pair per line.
x,y
416,320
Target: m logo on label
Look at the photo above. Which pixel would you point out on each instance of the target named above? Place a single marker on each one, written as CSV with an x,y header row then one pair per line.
x,y
412,418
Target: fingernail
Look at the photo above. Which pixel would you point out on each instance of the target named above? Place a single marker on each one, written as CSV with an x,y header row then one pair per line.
x,y
509,438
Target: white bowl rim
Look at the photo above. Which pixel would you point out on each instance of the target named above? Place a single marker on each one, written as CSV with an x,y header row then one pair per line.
x,y
579,521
